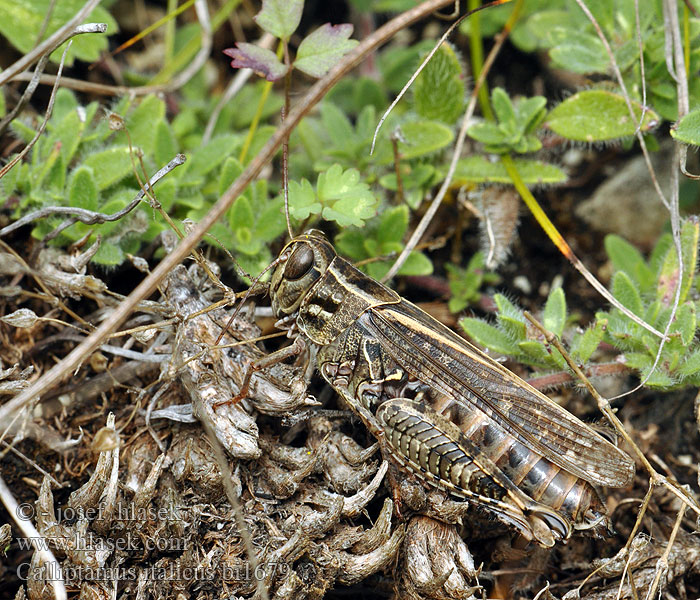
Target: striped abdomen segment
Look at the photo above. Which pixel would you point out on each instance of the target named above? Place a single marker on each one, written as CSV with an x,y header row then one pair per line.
x,y
429,445
429,449
536,476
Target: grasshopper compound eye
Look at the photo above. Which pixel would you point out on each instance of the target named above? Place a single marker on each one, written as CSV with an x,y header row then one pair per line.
x,y
299,263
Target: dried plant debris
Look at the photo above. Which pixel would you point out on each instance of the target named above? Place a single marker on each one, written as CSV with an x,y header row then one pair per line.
x,y
143,506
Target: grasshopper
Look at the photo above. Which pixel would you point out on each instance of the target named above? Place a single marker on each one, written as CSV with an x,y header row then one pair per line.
x,y
441,409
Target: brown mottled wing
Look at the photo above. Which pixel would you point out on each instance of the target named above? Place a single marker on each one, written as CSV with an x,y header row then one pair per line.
x,y
437,356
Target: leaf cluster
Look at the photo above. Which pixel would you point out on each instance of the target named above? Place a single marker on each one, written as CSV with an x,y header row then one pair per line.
x,y
643,286
83,162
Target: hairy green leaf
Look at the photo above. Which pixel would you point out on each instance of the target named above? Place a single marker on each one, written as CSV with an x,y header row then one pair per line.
x,y
489,336
323,48
598,115
280,17
687,130
438,92
555,312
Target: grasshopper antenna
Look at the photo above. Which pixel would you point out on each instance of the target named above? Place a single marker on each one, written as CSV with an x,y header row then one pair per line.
x,y
249,292
285,178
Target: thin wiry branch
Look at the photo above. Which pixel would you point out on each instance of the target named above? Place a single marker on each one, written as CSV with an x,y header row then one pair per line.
x,y
672,34
42,127
51,43
90,217
40,544
27,95
175,83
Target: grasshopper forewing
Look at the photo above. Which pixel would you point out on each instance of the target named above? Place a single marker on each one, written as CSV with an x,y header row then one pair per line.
x,y
442,409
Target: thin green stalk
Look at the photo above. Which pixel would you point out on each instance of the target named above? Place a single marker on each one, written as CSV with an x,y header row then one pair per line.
x,y
188,51
562,244
267,88
476,51
686,39
170,33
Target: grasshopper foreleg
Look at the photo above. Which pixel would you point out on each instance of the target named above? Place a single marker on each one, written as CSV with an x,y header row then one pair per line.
x,y
297,348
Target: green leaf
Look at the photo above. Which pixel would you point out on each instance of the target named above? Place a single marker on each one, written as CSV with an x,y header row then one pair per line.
x,y
109,255
230,171
487,133
691,365
579,52
598,115
280,17
530,112
337,125
22,21
502,106
393,224
397,64
166,192
423,137
240,215
537,354
240,114
670,271
627,293
511,318
625,257
687,130
206,158
142,122
489,336
65,103
685,322
56,177
165,145
345,198
416,263
68,134
302,200
478,169
465,283
438,92
348,212
323,48
109,166
555,312
412,176
271,222
82,191
584,345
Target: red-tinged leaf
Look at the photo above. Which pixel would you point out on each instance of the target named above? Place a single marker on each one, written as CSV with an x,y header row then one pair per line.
x,y
323,48
264,62
280,17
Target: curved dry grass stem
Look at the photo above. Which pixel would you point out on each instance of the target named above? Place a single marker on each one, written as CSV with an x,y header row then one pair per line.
x,y
90,217
662,563
676,64
175,83
604,406
26,95
71,362
30,532
47,116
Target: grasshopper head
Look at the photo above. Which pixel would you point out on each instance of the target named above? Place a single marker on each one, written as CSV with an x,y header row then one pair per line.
x,y
302,262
